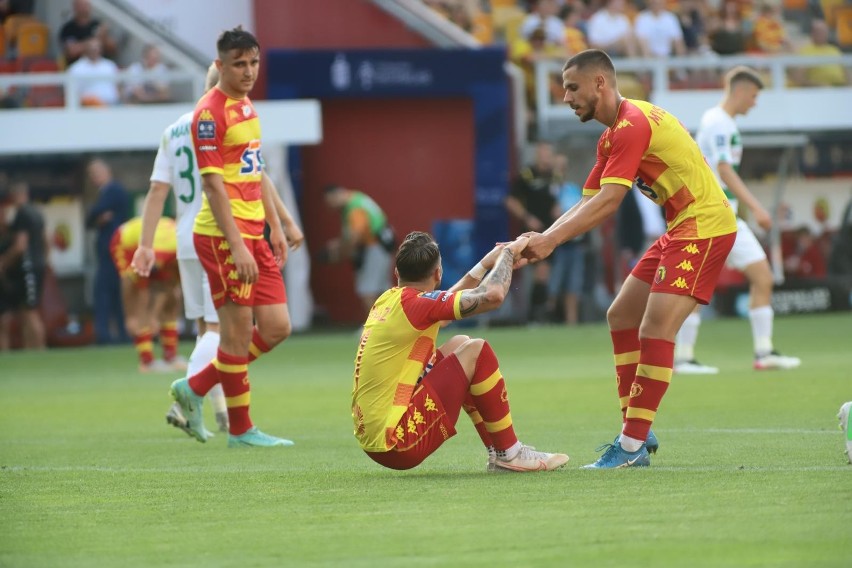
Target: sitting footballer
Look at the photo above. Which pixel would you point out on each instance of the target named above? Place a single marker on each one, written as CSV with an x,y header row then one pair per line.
x,y
407,394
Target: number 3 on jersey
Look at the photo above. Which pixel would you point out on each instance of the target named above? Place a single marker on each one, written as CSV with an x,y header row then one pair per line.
x,y
251,158
188,173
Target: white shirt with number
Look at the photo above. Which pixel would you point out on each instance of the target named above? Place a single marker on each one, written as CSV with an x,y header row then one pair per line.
x,y
720,141
176,165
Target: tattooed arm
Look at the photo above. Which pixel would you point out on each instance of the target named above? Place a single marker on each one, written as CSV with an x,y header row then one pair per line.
x,y
491,292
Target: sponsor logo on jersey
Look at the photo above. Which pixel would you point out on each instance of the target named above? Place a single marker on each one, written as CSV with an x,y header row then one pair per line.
x,y
623,123
433,295
206,129
252,162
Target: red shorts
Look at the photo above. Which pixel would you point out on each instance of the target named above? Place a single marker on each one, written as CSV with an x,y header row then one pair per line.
x,y
215,256
686,267
431,416
165,264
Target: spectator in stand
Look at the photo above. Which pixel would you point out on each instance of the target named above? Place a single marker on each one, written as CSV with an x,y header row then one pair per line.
x,y
149,89
81,27
658,31
532,202
727,31
610,30
575,37
692,17
770,36
97,83
525,53
828,75
806,260
13,7
111,210
23,265
543,15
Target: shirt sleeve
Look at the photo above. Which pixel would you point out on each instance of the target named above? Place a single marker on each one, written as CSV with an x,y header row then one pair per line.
x,y
720,149
628,144
427,308
208,134
593,182
163,162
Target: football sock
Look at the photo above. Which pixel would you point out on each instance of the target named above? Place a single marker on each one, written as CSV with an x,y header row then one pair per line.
x,y
653,375
488,392
686,338
169,340
509,453
233,376
630,444
144,343
625,347
206,378
761,329
478,423
257,347
203,353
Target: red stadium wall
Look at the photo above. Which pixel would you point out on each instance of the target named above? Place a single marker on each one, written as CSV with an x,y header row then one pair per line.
x,y
430,175
413,157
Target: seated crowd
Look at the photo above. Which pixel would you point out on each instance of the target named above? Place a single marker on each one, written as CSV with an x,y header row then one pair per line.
x,y
86,48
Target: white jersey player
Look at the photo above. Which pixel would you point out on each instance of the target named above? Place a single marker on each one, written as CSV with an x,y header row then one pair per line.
x,y
720,142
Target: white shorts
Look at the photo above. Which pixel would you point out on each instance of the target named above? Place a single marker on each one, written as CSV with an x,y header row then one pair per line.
x,y
197,301
373,278
746,250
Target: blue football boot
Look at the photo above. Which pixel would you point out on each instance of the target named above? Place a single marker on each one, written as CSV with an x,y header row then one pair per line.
x,y
617,457
651,442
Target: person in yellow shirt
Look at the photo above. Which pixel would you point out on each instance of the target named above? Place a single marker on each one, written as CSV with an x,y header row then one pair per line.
x,y
525,52
828,75
575,38
769,33
150,304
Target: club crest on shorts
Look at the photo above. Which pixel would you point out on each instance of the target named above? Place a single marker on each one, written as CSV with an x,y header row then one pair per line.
x,y
661,275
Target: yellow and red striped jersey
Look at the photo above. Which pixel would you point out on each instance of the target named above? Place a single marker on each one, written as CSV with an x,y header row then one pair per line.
x,y
226,136
126,238
650,147
397,343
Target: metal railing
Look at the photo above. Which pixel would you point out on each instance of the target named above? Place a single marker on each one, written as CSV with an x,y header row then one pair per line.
x,y
193,83
661,70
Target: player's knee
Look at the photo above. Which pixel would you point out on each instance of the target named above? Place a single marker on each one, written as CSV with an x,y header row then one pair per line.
x,y
467,354
615,317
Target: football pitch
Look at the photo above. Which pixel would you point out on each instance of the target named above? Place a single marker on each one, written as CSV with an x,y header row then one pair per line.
x,y
750,472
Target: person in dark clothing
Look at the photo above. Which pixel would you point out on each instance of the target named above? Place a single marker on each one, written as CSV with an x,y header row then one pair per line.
x,y
532,202
111,209
23,264
81,27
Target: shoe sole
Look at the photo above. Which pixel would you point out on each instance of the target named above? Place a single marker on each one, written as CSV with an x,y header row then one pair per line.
x,y
175,421
177,398
547,467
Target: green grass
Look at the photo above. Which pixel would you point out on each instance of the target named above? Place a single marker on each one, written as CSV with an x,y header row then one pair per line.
x,y
750,471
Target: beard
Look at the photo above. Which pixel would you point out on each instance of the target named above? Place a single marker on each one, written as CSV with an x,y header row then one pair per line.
x,y
589,114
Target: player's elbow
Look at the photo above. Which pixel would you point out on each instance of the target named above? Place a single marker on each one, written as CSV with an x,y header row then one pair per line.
x,y
494,296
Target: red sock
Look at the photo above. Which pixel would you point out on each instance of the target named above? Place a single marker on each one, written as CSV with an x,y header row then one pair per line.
x,y
144,343
205,379
488,391
625,346
257,347
233,374
169,340
653,376
478,423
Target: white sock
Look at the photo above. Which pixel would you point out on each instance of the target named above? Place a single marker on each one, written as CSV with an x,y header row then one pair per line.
x,y
686,338
204,352
510,453
217,399
630,444
761,329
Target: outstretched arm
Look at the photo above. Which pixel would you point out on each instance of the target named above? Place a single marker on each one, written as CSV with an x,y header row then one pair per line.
x,y
491,292
152,210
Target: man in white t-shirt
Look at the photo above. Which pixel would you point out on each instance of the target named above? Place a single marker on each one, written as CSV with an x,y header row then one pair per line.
x,y
543,15
148,89
720,142
610,30
97,86
176,168
658,31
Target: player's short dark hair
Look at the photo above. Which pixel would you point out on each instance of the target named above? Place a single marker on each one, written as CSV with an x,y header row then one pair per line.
x,y
743,74
590,59
238,39
417,256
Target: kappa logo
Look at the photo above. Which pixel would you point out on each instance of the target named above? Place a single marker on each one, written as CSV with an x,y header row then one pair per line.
x,y
691,248
661,275
680,283
686,265
205,115
635,390
623,123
